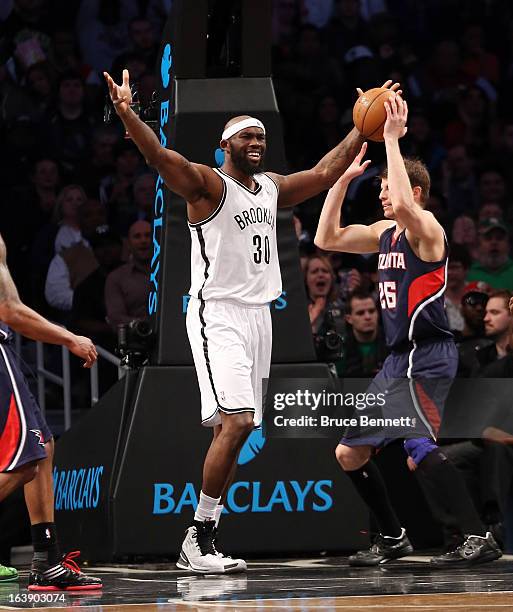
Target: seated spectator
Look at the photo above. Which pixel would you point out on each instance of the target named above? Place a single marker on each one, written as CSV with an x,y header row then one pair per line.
x,y
73,264
493,263
458,266
364,347
89,314
497,322
67,217
127,287
472,336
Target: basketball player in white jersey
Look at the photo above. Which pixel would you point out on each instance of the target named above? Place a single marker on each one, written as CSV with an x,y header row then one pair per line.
x,y
235,275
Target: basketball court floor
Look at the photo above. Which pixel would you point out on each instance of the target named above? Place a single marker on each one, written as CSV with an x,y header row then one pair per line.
x,y
294,584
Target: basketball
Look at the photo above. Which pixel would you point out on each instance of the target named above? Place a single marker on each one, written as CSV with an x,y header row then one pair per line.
x,y
369,114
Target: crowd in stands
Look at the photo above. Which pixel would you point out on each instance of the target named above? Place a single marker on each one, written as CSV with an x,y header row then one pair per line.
x,y
77,196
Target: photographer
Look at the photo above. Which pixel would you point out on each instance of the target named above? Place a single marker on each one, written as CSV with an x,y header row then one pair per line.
x,y
326,317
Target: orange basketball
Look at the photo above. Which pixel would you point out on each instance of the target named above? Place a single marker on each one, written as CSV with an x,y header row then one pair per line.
x,y
369,113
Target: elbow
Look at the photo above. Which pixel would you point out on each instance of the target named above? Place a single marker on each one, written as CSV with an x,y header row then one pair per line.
x,y
322,242
10,313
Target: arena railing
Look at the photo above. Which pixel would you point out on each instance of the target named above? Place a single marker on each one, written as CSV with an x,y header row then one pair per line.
x,y
64,380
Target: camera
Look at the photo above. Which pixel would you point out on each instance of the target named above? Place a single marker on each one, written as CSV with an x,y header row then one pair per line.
x,y
329,345
135,341
147,114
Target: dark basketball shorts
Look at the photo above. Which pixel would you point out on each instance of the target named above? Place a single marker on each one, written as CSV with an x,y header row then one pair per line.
x,y
414,384
23,430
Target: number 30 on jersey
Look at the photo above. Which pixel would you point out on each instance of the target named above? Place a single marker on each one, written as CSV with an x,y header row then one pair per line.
x,y
262,252
388,294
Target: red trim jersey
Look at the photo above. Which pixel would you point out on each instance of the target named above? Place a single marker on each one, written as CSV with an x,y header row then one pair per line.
x,y
411,292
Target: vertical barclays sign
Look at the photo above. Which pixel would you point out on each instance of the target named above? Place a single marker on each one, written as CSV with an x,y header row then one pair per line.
x,y
159,204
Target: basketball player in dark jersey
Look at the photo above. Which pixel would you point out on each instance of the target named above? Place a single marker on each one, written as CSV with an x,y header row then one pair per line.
x,y
412,274
26,443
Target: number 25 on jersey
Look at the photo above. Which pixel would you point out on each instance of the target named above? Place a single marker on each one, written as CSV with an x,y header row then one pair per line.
x,y
388,294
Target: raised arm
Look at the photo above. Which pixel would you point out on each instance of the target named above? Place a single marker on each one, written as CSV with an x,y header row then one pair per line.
x,y
353,238
419,223
191,181
29,323
300,186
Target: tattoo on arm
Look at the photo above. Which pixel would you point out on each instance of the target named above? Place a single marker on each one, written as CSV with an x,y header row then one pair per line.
x,y
338,159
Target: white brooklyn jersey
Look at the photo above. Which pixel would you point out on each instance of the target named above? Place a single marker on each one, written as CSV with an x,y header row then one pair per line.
x,y
234,254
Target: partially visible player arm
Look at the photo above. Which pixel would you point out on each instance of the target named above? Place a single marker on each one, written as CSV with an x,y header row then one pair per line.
x,y
420,223
191,181
354,238
29,323
300,186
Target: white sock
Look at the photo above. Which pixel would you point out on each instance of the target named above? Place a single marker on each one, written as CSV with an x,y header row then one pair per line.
x,y
218,512
206,508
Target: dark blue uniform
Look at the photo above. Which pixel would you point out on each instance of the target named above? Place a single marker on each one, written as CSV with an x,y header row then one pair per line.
x,y
417,375
23,430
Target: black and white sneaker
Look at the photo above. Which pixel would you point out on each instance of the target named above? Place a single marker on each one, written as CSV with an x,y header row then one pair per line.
x,y
382,550
199,554
242,566
64,576
473,550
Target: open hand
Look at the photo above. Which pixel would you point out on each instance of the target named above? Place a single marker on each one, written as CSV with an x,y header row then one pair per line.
x,y
397,115
356,168
388,85
84,348
120,95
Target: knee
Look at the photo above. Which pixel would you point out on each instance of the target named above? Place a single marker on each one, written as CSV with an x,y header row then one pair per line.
x,y
238,426
351,458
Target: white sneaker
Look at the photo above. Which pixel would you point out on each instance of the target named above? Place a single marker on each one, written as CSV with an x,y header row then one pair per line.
x,y
198,553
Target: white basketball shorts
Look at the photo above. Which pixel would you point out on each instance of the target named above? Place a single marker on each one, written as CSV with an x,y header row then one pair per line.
x,y
231,347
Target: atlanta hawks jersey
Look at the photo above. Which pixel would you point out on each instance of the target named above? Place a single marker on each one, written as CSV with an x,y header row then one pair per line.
x,y
411,292
234,253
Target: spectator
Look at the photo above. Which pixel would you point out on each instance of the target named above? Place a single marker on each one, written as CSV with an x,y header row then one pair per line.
x,y
127,287
497,322
67,218
364,346
457,269
494,265
473,122
70,267
472,336
477,61
421,142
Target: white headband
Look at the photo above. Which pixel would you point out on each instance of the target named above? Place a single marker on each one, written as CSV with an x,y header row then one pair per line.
x,y
240,125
